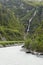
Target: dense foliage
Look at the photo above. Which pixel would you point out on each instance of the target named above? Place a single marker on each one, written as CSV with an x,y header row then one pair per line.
x,y
14,20
10,26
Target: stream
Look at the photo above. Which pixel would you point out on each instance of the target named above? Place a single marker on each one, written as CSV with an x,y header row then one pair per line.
x,y
15,56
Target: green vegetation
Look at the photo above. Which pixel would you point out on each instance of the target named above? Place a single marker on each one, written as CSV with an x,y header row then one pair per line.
x,y
10,27
9,43
34,40
35,43
14,20
34,3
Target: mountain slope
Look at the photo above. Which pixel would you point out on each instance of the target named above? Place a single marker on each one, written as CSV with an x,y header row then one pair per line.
x,y
10,27
15,15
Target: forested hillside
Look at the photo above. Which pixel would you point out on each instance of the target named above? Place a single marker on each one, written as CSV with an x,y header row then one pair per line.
x,y
10,26
14,21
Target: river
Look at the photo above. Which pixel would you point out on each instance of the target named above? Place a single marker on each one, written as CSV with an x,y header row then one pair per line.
x,y
15,56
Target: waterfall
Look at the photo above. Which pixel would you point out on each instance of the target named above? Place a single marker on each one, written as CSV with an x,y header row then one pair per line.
x,y
30,20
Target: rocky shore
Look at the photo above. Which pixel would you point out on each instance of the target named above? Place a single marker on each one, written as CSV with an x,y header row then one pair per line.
x,y
32,52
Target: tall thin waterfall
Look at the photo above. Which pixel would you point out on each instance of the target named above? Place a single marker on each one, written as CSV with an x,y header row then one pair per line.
x,y
31,20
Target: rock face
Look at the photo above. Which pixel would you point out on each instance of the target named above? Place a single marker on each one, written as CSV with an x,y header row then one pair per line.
x,y
1,46
3,39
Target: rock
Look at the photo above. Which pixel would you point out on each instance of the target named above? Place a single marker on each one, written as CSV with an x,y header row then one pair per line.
x,y
41,53
28,51
23,46
1,46
34,53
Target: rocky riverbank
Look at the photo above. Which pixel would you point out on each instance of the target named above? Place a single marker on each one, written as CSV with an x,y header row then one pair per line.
x,y
32,52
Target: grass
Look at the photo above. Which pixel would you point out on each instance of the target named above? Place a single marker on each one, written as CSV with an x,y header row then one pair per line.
x,y
11,41
3,28
4,43
11,34
13,30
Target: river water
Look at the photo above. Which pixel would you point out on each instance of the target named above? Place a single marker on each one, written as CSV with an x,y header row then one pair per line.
x,y
14,56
